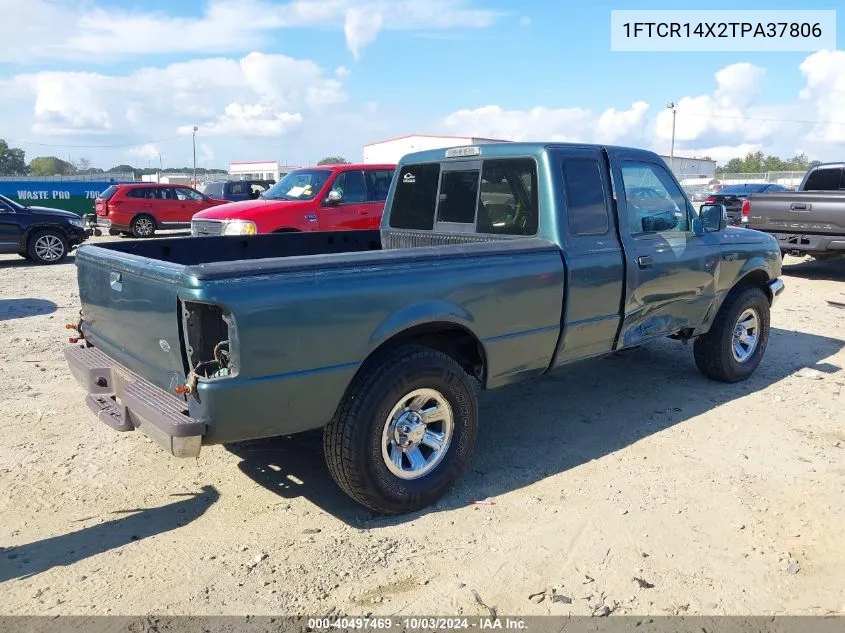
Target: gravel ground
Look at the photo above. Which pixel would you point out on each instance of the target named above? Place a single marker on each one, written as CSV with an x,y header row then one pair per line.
x,y
626,485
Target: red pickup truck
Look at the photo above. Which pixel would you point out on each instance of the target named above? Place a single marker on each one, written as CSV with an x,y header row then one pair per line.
x,y
324,198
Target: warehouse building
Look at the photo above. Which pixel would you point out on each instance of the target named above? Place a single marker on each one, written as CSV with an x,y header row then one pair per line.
x,y
260,170
391,150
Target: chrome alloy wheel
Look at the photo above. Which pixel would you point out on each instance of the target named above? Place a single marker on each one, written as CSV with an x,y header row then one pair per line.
x,y
417,433
49,248
746,335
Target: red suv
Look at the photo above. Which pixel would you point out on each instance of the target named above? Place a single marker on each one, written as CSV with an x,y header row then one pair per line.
x,y
329,198
140,208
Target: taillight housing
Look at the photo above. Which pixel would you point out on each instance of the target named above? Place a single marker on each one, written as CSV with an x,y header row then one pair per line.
x,y
746,210
710,200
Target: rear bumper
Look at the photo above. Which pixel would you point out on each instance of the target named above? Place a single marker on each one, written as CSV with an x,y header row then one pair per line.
x,y
125,401
808,243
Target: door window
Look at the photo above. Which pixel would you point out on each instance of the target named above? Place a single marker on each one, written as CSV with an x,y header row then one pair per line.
x,y
351,186
237,188
655,203
188,194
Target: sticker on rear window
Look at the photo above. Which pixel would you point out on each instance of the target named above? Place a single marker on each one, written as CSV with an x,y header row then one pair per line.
x,y
409,177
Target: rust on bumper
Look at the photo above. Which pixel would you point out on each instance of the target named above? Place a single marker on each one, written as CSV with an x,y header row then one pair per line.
x,y
125,401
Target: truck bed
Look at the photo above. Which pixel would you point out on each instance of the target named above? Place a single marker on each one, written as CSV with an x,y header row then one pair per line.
x,y
157,307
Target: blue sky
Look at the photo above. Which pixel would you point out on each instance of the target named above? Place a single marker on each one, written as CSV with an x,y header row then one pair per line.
x,y
271,79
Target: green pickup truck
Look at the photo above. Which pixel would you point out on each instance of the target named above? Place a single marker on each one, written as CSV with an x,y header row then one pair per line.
x,y
493,264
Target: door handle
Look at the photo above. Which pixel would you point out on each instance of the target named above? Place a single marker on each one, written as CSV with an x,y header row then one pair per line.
x,y
644,261
800,206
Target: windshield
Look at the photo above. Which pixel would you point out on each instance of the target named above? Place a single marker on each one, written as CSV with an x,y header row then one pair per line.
x,y
11,203
733,189
301,184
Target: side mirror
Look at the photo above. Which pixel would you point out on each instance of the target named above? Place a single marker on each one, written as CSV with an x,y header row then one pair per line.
x,y
714,217
333,197
663,221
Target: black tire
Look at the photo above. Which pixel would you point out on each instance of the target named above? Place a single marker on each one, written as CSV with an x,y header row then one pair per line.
x,y
713,351
143,226
114,232
352,441
46,247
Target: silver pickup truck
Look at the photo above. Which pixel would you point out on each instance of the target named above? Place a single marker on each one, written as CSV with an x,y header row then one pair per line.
x,y
809,221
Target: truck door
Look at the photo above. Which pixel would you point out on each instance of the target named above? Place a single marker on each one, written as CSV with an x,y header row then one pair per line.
x,y
10,229
595,266
671,267
352,212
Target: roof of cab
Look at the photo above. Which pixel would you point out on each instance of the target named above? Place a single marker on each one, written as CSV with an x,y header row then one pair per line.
x,y
507,149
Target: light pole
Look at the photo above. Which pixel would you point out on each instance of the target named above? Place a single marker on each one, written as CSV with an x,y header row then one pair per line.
x,y
671,106
194,140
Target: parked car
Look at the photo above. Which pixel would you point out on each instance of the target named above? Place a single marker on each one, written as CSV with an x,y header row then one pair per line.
x,y
809,221
493,264
139,209
327,198
698,193
40,234
237,190
734,196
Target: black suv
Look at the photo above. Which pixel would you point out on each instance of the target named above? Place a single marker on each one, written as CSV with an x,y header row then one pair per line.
x,y
42,235
237,190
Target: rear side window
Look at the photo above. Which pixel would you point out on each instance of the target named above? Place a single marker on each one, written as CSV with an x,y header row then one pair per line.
x,y
214,189
237,188
378,184
826,180
507,203
416,197
108,193
143,192
458,196
585,204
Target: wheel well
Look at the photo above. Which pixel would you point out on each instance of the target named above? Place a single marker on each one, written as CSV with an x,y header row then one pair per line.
x,y
40,228
756,278
145,215
453,340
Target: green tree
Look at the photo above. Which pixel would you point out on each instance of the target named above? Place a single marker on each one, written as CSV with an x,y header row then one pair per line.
x,y
12,160
50,166
333,160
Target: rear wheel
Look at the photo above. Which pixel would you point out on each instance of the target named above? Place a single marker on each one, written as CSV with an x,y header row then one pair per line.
x,y
114,232
143,226
734,346
404,432
47,247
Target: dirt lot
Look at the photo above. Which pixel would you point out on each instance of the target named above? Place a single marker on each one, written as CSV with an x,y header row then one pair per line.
x,y
725,498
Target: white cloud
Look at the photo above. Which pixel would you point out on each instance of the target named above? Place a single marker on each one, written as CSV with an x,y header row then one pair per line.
x,y
361,29
271,93
615,125
562,124
147,151
825,75
39,29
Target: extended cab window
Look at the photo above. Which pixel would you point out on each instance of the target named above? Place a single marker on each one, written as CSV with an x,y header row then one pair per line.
x,y
378,184
655,203
507,202
826,180
416,197
585,204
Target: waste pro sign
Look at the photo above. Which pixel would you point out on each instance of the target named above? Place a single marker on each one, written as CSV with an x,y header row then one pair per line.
x,y
76,196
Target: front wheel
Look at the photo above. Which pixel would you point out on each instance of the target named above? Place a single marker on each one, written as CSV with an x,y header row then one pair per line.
x,y
404,432
736,342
